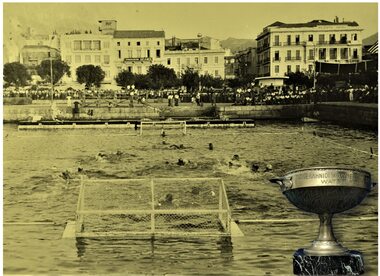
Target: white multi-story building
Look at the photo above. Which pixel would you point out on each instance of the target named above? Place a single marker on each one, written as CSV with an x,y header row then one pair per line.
x,y
83,49
136,50
203,54
283,48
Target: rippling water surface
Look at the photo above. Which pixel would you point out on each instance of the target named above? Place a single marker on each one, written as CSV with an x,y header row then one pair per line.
x,y
35,191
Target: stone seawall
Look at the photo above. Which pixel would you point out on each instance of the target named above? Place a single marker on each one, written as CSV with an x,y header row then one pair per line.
x,y
289,112
349,114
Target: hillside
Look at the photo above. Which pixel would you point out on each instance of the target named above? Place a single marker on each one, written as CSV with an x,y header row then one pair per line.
x,y
237,44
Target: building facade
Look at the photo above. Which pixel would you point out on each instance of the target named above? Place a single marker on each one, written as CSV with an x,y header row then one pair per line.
x,y
203,54
283,48
83,49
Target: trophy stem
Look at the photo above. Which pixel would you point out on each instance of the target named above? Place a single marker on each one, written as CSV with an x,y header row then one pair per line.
x,y
326,243
326,232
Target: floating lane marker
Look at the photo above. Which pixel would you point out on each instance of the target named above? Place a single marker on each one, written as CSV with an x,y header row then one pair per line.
x,y
302,220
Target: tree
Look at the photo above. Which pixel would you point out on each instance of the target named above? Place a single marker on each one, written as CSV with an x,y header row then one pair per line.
x,y
60,68
299,79
190,79
210,81
15,73
125,78
162,77
143,81
90,75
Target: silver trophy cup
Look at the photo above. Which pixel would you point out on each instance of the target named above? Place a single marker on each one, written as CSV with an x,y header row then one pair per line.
x,y
325,191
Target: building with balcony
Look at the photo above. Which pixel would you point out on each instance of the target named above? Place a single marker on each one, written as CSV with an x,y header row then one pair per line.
x,y
283,48
246,62
136,50
203,54
33,55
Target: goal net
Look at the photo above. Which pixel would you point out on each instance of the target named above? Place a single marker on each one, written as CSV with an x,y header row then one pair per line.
x,y
163,206
163,127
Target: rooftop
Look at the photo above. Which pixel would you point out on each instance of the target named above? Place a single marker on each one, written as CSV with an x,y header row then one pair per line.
x,y
313,23
139,34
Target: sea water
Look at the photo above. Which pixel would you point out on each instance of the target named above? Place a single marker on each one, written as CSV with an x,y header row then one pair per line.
x,y
35,190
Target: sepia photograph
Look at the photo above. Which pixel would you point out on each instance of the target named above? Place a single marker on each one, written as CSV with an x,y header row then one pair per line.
x,y
190,138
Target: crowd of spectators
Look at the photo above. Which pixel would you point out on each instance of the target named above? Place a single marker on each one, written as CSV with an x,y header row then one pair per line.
x,y
239,96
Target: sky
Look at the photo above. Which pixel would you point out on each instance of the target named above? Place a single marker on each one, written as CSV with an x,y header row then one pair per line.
x,y
184,20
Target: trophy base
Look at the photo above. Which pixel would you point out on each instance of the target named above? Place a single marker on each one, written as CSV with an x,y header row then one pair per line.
x,y
349,264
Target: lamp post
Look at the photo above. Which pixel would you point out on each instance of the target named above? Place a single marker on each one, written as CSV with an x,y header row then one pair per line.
x,y
51,69
199,58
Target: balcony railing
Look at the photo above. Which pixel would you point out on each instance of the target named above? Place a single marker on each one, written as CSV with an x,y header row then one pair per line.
x,y
142,59
293,43
292,58
276,59
276,43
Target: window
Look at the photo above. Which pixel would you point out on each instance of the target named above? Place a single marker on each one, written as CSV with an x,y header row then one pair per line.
x,y
276,40
205,60
68,59
322,53
169,61
289,69
289,55
297,39
158,43
119,54
188,61
344,53
298,55
129,53
129,43
310,38
354,37
129,68
138,53
86,45
87,59
216,60
277,69
106,44
158,53
148,53
138,43
178,60
333,53
332,39
78,59
139,70
311,68
343,38
276,55
311,54
106,59
355,53
289,39
118,43
196,60
216,73
97,59
96,45
77,45
298,68
321,39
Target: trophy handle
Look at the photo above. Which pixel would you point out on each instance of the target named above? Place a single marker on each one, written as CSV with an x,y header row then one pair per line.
x,y
285,183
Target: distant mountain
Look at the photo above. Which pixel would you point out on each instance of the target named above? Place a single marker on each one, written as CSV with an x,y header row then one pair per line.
x,y
237,44
369,41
